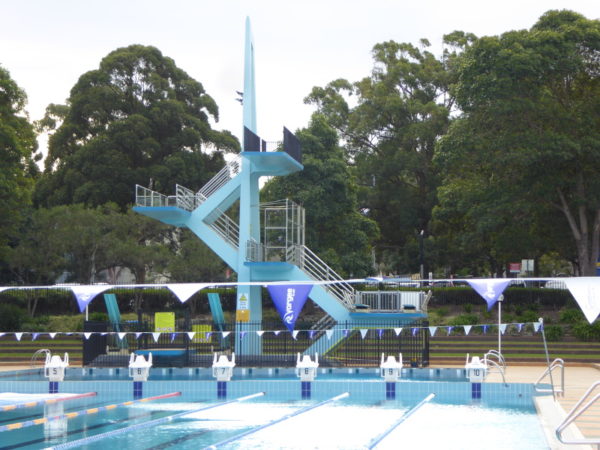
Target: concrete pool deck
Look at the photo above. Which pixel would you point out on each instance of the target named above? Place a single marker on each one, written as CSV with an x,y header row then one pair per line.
x,y
577,380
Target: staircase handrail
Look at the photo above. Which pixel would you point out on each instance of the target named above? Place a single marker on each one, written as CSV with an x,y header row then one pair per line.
x,y
225,226
231,169
577,411
318,270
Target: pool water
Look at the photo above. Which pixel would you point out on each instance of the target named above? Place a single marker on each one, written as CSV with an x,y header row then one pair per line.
x,y
345,424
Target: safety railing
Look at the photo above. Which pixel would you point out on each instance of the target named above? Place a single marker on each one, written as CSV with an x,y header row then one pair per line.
x,y
391,300
225,226
556,364
577,411
318,270
231,169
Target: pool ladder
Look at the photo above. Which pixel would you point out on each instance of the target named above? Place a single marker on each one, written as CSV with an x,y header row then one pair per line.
x,y
37,354
500,365
556,391
577,411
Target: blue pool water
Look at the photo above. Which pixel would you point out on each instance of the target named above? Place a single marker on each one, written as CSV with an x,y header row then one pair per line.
x,y
504,417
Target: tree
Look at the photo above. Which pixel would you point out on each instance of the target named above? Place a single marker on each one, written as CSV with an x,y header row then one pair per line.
x,y
18,155
138,118
528,143
194,261
335,229
401,111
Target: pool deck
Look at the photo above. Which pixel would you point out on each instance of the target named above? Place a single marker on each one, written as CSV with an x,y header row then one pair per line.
x,y
577,380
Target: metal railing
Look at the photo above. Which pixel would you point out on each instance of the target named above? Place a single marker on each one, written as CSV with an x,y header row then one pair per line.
x,y
577,411
37,354
557,363
231,169
318,270
495,354
225,226
391,300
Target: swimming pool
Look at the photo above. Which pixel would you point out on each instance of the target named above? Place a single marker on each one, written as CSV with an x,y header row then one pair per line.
x,y
453,420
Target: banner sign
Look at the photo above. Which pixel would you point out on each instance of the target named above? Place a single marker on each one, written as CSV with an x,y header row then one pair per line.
x,y
289,300
490,288
586,291
86,293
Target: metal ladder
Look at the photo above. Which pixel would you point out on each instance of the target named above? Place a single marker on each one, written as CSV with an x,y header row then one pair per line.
x,y
560,391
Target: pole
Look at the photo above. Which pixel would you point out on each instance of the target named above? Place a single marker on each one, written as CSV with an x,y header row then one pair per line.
x,y
499,323
421,255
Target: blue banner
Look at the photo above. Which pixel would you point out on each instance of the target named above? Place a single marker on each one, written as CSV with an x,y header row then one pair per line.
x,y
289,300
490,289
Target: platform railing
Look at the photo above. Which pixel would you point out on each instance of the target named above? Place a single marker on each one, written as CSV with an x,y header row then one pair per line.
x,y
318,270
391,300
556,364
579,408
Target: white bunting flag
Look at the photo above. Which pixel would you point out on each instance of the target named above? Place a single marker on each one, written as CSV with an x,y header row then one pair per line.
x,y
52,335
155,336
536,326
363,332
18,336
260,332
226,333
121,335
183,291
432,330
329,333
502,328
467,329
87,335
586,291
397,331
295,334
191,334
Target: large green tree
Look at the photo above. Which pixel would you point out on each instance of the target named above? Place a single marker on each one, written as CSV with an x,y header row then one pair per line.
x,y
138,118
521,164
18,170
335,228
389,123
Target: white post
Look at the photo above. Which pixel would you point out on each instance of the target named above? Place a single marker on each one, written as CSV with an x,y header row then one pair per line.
x,y
499,323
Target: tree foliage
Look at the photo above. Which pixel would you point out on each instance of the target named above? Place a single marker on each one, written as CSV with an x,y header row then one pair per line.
x,y
389,134
528,143
18,148
136,118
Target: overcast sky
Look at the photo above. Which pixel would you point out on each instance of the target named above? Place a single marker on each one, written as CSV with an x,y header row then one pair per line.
x,y
47,45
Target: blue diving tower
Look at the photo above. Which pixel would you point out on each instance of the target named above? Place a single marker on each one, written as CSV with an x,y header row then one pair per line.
x,y
266,243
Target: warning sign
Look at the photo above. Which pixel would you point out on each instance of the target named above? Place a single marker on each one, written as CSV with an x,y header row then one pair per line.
x,y
243,312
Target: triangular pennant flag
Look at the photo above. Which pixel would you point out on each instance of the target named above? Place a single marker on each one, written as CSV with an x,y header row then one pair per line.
x,y
87,335
586,291
519,327
86,293
52,335
121,335
345,333
242,334
260,332
173,336
103,334
276,332
490,288
432,331
329,333
485,328
289,301
226,333
295,334
155,336
380,333
34,336
137,335
536,326
311,334
397,331
207,335
414,331
2,334
191,335
467,329
18,336
183,291
363,332
502,328
449,329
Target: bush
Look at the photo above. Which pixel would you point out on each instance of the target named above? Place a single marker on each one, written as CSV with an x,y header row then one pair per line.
x,y
529,316
587,332
464,319
571,316
554,332
12,318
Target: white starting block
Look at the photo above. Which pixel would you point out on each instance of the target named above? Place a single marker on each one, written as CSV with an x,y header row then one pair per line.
x,y
139,368
223,368
306,369
476,369
54,368
390,369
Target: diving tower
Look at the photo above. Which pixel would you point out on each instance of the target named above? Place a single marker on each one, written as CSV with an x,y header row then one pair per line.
x,y
266,242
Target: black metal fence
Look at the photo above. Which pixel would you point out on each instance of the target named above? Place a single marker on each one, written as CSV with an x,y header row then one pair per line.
x,y
258,344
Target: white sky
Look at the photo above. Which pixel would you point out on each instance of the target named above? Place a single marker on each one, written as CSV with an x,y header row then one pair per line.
x,y
47,45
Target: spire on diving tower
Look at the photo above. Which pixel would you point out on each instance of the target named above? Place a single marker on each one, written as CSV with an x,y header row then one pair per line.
x,y
249,101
